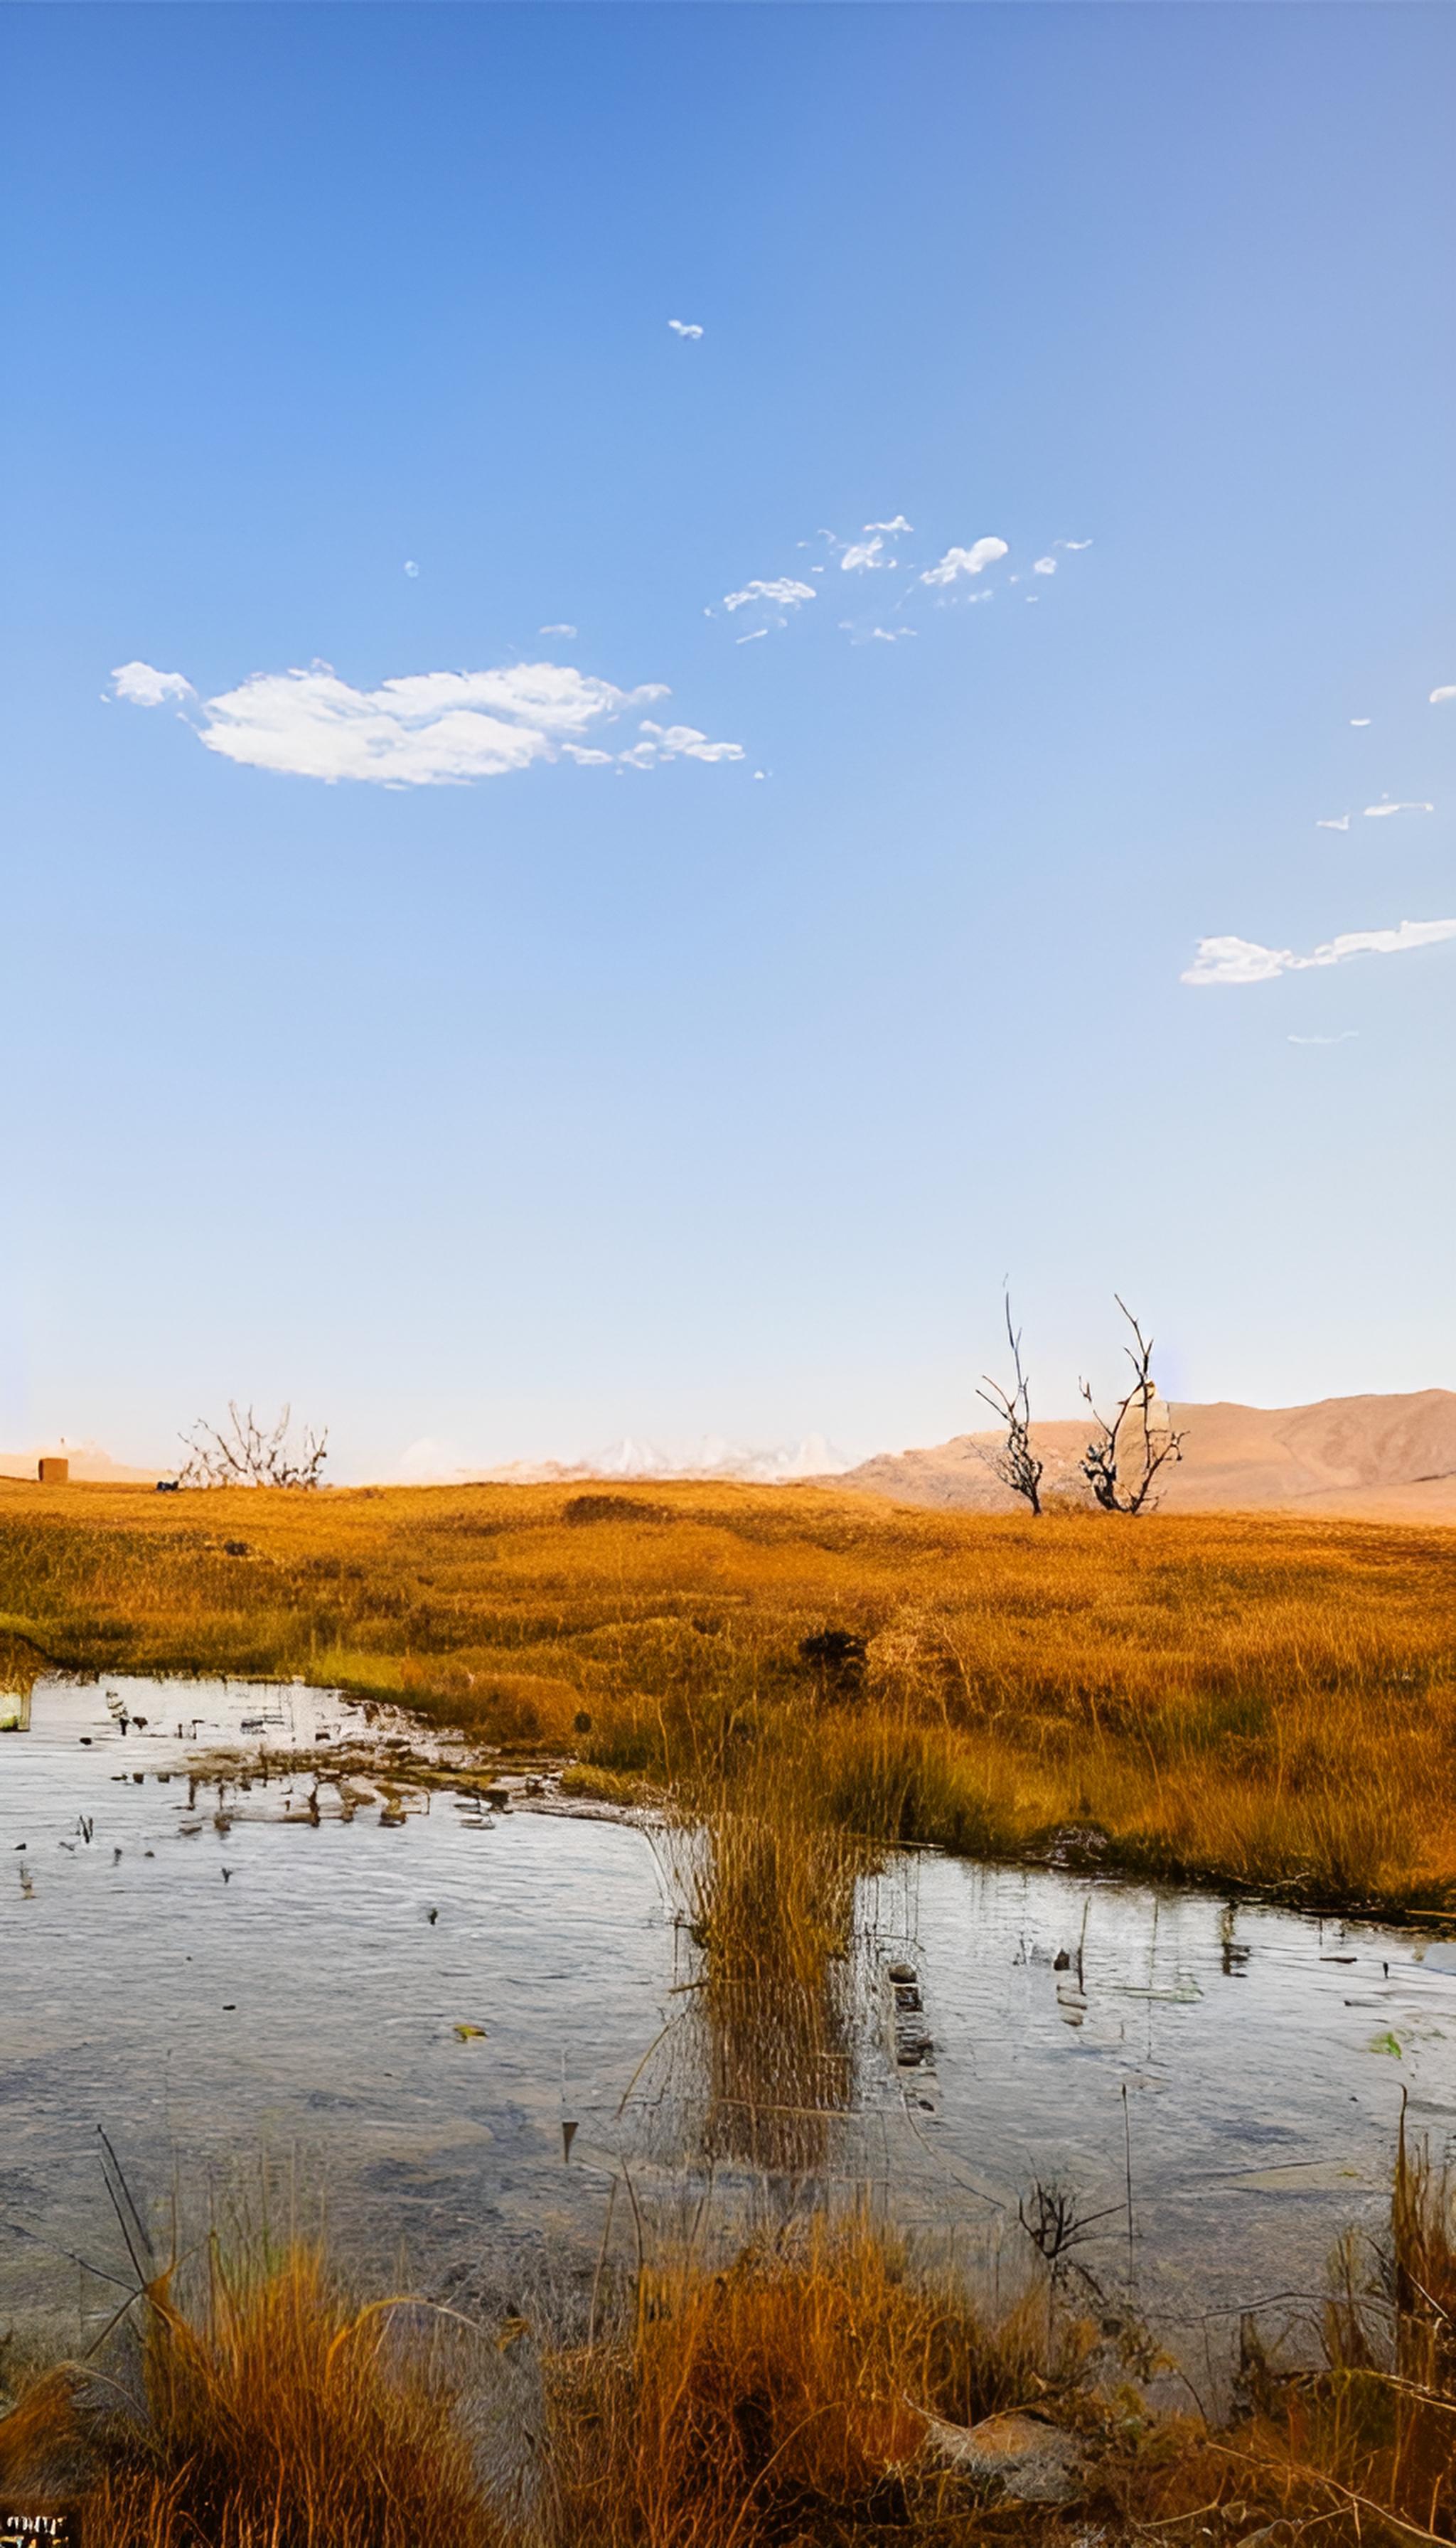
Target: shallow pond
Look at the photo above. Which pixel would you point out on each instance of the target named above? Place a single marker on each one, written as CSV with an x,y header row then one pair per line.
x,y
404,1999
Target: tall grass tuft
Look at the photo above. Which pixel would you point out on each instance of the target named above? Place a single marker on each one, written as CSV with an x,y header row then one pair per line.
x,y
275,2417
783,2399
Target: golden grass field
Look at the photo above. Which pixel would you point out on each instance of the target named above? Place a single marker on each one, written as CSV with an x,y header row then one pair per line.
x,y
1250,1701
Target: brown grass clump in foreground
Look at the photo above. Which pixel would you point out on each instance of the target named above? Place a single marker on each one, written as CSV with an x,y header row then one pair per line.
x,y
1259,1702
811,2391
279,2418
784,2398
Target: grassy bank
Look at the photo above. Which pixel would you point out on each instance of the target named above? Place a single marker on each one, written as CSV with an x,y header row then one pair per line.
x,y
811,2391
1249,1701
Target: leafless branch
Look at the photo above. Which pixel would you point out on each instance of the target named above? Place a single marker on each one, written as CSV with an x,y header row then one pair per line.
x,y
1122,1460
1016,1464
244,1453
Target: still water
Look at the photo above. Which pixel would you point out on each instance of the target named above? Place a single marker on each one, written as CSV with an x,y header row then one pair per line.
x,y
403,2005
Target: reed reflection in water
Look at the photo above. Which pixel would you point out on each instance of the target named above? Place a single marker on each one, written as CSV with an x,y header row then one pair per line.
x,y
778,1998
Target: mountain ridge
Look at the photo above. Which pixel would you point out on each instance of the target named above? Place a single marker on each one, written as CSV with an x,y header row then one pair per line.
x,y
1379,1455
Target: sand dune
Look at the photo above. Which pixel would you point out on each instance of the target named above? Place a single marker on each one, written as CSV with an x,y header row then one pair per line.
x,y
1383,1458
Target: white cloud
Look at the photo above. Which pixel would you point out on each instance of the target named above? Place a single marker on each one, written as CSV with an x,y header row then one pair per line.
x,y
1045,566
858,635
1222,960
1389,808
1359,720
144,688
1333,823
784,593
863,554
894,529
1348,1037
423,729
972,561
684,743
1073,544
751,637
1447,691
410,567
681,327
557,628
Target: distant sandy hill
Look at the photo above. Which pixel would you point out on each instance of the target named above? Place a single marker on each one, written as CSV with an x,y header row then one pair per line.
x,y
1382,1458
90,1467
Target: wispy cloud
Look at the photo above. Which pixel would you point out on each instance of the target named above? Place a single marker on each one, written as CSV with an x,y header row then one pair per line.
x,y
972,561
144,686
1348,1035
863,554
858,635
1333,823
684,327
779,592
1359,720
683,743
557,628
1045,566
422,729
410,567
1447,691
1072,545
1386,808
1237,960
893,530
750,637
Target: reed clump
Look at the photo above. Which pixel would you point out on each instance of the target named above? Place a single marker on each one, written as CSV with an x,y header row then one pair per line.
x,y
768,1876
275,2416
1248,1700
786,2397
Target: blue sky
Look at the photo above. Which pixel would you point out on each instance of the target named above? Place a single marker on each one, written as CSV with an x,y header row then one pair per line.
x,y
368,1046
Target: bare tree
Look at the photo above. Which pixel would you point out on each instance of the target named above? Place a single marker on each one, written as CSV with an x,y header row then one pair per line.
x,y
246,1453
1016,1464
1122,1460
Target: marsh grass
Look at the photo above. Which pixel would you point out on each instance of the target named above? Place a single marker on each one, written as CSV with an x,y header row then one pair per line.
x,y
1252,1702
271,2414
794,2389
783,2397
767,1877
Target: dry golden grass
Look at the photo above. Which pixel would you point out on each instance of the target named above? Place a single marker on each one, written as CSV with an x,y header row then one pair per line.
x,y
1258,1702
795,2396
783,2398
278,2417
